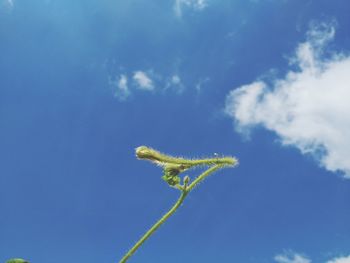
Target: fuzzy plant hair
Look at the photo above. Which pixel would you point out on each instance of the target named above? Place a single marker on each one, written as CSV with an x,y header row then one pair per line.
x,y
173,167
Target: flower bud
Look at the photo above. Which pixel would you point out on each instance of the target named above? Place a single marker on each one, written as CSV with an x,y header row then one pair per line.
x,y
144,152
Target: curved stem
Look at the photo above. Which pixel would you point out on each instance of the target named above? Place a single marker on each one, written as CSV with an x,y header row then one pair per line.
x,y
155,227
168,163
204,175
184,192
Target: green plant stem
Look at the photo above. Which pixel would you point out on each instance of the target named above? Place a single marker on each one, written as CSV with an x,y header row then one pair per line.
x,y
152,155
155,227
204,175
168,162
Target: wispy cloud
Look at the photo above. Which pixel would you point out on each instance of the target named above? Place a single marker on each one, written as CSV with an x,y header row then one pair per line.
x,y
175,83
143,81
175,79
309,108
7,5
200,83
340,260
123,90
126,83
196,5
291,258
120,87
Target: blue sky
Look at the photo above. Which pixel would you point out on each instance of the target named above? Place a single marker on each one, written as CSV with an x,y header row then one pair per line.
x,y
83,83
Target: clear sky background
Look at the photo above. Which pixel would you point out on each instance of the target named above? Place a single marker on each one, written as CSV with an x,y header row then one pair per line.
x,y
84,82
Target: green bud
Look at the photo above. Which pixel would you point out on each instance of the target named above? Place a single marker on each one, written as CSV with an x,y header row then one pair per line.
x,y
171,180
144,152
171,172
173,169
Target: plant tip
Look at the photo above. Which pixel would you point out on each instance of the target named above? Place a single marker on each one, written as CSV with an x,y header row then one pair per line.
x,y
17,260
144,152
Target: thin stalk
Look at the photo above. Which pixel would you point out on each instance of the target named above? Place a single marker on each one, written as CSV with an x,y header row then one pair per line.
x,y
184,192
155,227
175,166
204,175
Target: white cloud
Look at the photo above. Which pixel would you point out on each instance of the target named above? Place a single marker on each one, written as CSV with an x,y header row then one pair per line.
x,y
175,83
175,79
125,84
120,87
309,108
143,81
340,260
123,90
293,258
298,258
193,4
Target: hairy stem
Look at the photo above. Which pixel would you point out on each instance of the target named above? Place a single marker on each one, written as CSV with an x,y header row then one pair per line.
x,y
173,166
155,156
155,227
204,175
